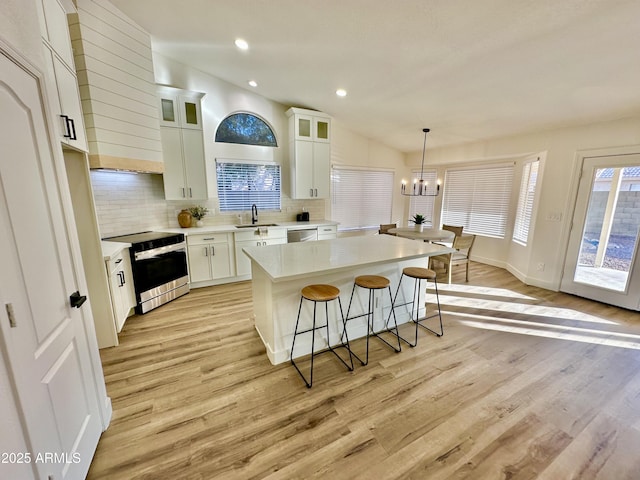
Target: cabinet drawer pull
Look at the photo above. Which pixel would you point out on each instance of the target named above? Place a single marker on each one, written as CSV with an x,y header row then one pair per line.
x,y
213,251
316,192
206,251
211,238
311,192
183,193
118,261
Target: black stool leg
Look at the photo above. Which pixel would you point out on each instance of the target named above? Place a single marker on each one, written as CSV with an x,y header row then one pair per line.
x,y
435,283
344,330
313,329
295,334
345,345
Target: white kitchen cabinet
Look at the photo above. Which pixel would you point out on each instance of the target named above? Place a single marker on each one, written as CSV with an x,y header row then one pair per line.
x,y
182,144
60,65
309,125
210,256
184,164
123,297
180,108
310,153
255,237
327,232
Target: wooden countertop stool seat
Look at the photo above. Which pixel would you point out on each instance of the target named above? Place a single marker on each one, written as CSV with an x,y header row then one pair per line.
x,y
373,283
418,274
320,293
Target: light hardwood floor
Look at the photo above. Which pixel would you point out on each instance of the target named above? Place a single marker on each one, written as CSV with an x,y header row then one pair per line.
x,y
525,383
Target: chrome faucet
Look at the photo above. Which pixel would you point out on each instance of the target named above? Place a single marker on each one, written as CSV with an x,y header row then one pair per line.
x,y
254,214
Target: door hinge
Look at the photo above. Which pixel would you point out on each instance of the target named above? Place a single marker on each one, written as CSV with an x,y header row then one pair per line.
x,y
11,315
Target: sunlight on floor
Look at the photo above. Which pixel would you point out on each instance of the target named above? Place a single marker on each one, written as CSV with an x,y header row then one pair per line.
x,y
561,332
514,307
480,290
515,313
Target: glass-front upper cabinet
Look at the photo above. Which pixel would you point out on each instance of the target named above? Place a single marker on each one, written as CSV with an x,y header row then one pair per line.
x,y
312,127
180,108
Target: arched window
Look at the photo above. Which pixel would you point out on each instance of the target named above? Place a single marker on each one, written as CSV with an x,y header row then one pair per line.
x,y
246,129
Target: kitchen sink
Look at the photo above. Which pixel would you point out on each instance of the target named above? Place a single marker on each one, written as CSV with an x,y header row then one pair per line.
x,y
255,225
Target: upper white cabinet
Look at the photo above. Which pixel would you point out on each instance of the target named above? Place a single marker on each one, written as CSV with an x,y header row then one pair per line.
x,y
179,108
310,153
311,126
60,65
182,144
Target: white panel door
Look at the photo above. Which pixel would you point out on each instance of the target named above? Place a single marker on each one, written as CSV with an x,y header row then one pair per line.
x,y
46,345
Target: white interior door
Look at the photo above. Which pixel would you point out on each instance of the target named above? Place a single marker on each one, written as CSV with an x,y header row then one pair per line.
x,y
601,258
42,336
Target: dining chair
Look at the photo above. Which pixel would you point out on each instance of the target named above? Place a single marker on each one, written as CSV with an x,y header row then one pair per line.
x,y
462,244
451,228
385,227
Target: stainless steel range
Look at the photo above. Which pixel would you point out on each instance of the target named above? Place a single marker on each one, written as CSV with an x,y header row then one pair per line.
x,y
159,265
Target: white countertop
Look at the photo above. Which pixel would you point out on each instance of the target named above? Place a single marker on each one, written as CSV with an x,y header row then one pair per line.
x,y
111,249
233,229
291,260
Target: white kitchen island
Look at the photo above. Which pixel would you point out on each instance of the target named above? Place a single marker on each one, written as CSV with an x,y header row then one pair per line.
x,y
279,272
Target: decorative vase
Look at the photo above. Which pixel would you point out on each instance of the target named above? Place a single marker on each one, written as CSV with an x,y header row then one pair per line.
x,y
199,223
184,219
418,227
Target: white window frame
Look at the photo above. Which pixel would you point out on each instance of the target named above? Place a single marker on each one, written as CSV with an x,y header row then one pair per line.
x,y
246,188
365,200
526,199
479,198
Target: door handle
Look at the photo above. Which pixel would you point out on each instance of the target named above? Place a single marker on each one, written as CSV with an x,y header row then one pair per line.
x,y
77,300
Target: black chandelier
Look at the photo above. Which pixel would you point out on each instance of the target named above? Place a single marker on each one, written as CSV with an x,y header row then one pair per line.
x,y
420,186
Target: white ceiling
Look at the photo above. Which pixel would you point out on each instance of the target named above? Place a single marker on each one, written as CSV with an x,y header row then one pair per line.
x,y
467,69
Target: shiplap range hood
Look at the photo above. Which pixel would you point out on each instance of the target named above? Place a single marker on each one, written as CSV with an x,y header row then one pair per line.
x,y
117,88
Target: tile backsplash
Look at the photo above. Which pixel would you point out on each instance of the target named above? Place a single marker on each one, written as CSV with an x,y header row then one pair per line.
x,y
129,203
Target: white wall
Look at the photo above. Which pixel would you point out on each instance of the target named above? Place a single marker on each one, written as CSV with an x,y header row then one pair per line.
x,y
556,190
222,99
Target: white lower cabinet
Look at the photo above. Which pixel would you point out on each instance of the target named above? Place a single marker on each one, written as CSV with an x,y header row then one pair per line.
x,y
327,232
123,296
210,256
252,237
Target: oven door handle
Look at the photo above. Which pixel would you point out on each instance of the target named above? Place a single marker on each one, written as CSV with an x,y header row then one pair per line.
x,y
154,252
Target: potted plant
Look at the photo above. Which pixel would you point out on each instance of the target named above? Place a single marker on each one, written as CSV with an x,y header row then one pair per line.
x,y
198,212
418,221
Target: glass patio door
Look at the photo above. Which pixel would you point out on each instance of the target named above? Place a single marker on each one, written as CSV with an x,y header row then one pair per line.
x,y
600,262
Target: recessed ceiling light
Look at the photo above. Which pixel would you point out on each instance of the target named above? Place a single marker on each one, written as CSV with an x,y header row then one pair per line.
x,y
242,44
253,83
341,92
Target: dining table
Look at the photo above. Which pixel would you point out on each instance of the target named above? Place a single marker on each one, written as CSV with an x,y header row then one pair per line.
x,y
425,234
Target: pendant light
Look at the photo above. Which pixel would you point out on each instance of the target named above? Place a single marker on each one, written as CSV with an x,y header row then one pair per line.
x,y
420,186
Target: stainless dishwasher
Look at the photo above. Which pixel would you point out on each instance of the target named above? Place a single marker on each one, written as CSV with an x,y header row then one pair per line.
x,y
302,235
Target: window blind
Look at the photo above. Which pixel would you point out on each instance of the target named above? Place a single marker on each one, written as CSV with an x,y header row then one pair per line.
x,y
525,202
361,198
478,198
423,205
241,184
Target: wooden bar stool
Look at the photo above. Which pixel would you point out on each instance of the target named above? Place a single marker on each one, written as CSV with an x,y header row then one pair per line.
x,y
372,283
418,274
315,294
